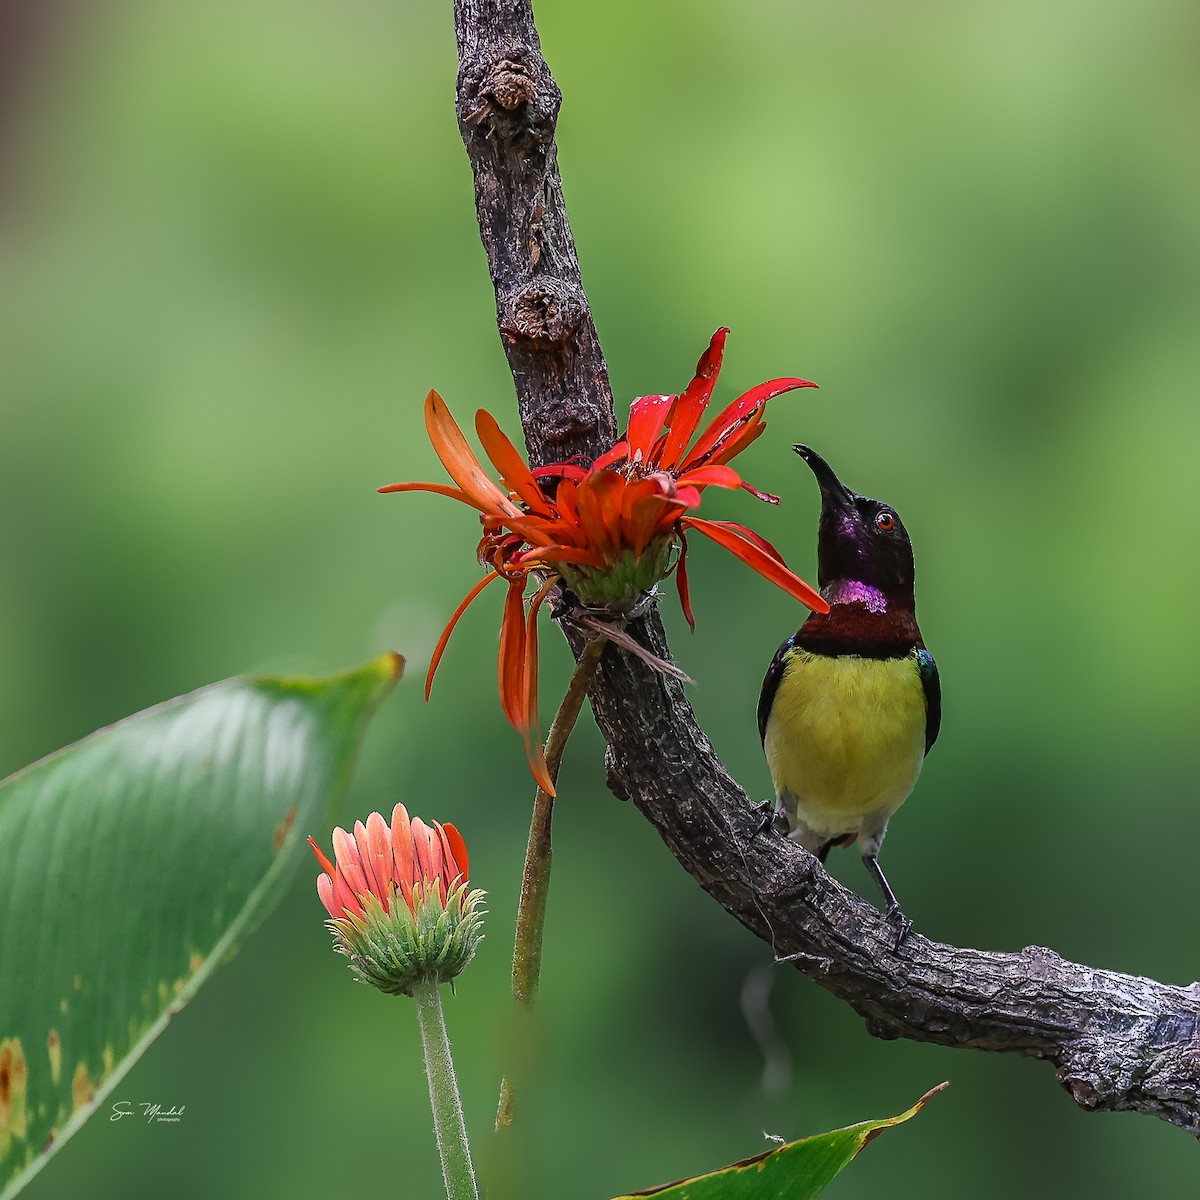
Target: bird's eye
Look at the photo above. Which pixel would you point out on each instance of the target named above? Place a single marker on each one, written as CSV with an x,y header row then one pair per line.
x,y
885,521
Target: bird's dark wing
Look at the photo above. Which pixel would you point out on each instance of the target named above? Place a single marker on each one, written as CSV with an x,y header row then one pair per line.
x,y
771,685
931,682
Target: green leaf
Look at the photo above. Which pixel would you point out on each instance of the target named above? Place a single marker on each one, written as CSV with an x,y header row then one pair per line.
x,y
134,862
796,1171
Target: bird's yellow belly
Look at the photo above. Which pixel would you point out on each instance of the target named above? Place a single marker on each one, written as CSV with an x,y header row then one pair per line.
x,y
845,740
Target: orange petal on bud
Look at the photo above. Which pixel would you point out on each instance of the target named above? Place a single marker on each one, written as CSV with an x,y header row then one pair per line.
x,y
402,846
344,899
325,894
457,849
364,857
428,849
379,848
346,852
326,865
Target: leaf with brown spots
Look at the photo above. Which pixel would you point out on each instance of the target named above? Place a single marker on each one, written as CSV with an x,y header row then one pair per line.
x,y
196,802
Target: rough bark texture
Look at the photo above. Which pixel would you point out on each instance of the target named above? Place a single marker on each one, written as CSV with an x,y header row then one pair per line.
x,y
1118,1042
507,103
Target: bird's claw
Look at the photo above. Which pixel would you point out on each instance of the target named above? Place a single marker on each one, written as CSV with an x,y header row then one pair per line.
x,y
903,924
766,813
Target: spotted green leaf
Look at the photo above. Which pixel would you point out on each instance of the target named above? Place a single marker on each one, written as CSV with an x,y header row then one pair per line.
x,y
133,862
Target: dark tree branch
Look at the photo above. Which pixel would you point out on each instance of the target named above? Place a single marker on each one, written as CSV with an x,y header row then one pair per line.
x,y
507,103
1118,1042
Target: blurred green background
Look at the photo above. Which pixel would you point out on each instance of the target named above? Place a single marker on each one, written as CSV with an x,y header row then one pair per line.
x,y
237,245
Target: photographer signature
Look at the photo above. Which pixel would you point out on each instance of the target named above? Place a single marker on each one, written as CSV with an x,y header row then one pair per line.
x,y
152,1112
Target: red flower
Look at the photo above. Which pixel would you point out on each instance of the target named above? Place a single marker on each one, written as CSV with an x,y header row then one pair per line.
x,y
380,860
608,531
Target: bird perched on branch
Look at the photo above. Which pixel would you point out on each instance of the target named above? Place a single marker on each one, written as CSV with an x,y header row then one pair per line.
x,y
852,702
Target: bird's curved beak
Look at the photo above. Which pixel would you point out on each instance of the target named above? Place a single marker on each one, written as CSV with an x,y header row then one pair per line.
x,y
833,490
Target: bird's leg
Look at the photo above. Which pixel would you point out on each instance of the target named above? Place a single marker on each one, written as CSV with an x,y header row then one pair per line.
x,y
893,911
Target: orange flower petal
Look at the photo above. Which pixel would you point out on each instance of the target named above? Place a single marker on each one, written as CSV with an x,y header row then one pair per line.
x,y
739,440
460,462
465,469
532,732
566,503
511,661
766,497
646,417
514,470
618,452
710,476
737,414
750,535
438,489
681,584
440,648
652,515
561,532
768,566
569,554
657,486
599,500
689,408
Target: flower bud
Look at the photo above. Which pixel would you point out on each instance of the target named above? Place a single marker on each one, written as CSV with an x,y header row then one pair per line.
x,y
397,895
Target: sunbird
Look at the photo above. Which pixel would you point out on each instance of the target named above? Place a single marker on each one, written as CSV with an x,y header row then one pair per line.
x,y
852,701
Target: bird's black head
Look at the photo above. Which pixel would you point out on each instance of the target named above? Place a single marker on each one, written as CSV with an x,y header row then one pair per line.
x,y
859,541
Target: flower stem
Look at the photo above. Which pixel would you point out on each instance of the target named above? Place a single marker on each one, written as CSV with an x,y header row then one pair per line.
x,y
448,1123
535,883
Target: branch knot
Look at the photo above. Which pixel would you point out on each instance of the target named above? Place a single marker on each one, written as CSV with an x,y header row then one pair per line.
x,y
508,83
544,310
